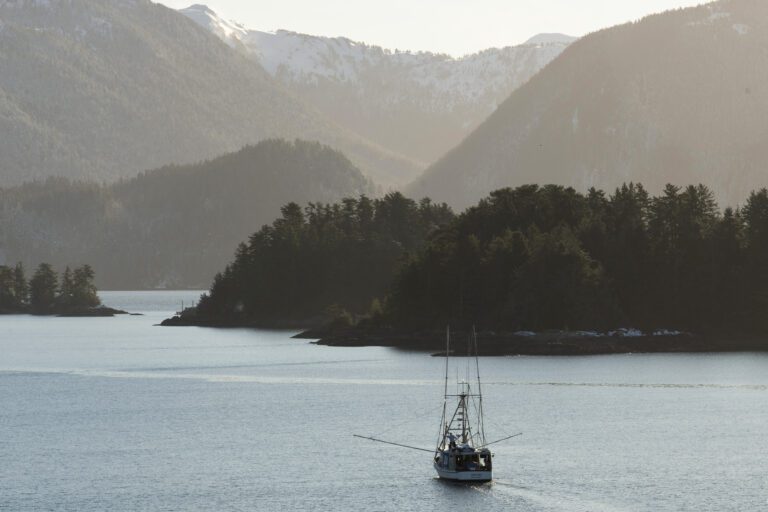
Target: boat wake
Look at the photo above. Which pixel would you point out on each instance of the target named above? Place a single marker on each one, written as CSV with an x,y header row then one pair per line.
x,y
213,378
543,500
753,387
250,366
187,373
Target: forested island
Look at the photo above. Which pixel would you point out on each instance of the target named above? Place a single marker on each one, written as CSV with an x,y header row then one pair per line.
x,y
46,293
540,267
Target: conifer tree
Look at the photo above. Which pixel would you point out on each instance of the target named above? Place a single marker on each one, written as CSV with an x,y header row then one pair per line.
x,y
66,289
7,289
84,293
42,289
21,287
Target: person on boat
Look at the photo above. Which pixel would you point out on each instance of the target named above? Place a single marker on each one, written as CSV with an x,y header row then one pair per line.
x,y
452,439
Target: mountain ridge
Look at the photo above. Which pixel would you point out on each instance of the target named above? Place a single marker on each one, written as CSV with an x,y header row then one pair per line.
x,y
418,104
96,89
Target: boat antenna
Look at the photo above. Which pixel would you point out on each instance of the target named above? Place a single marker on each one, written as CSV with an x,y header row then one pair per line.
x,y
469,355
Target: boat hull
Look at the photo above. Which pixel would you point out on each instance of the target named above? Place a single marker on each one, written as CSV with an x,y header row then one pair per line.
x,y
464,476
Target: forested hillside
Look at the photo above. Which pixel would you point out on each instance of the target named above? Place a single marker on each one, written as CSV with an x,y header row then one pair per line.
x,y
172,227
677,97
531,258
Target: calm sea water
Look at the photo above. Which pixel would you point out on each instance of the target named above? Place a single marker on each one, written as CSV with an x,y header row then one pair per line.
x,y
117,414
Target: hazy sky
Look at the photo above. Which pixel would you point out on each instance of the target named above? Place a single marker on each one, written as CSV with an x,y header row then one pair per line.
x,y
452,26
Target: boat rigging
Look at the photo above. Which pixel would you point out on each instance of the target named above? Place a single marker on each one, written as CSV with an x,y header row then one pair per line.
x,y
461,453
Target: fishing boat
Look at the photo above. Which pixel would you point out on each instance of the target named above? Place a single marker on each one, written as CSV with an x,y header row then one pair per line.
x,y
461,453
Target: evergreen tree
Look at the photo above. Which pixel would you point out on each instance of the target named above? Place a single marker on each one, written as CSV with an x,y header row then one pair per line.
x,y
66,295
20,286
42,289
755,214
8,300
561,287
728,298
84,293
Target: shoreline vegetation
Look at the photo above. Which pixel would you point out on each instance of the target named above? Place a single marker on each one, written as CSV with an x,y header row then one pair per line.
x,y
538,269
71,294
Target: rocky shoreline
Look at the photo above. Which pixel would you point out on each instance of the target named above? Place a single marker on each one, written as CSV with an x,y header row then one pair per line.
x,y
95,312
546,343
99,311
190,320
496,343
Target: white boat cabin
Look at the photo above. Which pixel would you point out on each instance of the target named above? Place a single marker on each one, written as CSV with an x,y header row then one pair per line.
x,y
465,458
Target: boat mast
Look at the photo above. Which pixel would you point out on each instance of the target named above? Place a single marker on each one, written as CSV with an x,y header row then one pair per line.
x,y
480,422
443,430
463,406
447,354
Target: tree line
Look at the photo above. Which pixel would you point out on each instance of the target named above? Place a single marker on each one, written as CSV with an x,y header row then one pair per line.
x,y
170,227
532,257
46,292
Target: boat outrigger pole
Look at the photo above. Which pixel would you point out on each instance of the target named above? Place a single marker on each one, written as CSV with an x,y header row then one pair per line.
x,y
394,444
500,440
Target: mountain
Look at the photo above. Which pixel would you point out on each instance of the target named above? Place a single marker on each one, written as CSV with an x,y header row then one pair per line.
x,y
677,97
171,227
415,104
101,89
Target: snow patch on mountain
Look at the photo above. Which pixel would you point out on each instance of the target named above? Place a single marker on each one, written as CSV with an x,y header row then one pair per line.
x,y
230,32
715,14
741,29
306,59
553,38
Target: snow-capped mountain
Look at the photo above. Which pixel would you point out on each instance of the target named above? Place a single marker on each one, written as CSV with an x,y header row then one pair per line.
x,y
415,103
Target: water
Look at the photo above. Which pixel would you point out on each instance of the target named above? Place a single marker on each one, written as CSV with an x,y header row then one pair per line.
x,y
117,414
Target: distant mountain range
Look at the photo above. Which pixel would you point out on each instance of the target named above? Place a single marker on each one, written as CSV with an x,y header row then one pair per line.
x,y
416,104
171,227
102,89
678,97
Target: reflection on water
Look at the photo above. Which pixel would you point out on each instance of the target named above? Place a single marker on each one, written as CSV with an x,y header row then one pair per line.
x,y
117,414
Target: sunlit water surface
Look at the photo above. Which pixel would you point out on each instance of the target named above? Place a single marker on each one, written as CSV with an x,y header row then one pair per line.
x,y
118,414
